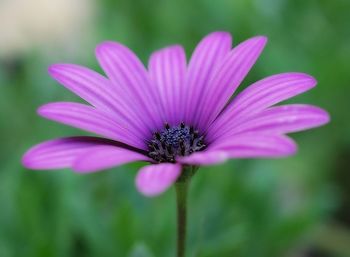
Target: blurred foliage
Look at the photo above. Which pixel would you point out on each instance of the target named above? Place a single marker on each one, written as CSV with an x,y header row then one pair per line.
x,y
298,206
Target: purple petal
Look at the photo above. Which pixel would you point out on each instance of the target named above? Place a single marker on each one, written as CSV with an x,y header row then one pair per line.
x,y
252,145
86,83
205,58
283,119
227,78
167,69
89,119
126,71
105,157
204,158
154,179
259,96
242,146
98,91
60,153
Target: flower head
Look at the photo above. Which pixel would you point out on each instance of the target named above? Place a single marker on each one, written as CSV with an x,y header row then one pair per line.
x,y
173,113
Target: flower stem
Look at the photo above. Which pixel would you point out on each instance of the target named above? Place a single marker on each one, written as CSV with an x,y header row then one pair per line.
x,y
181,187
181,202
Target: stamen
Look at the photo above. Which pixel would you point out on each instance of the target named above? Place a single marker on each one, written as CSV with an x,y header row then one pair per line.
x,y
163,145
175,141
170,150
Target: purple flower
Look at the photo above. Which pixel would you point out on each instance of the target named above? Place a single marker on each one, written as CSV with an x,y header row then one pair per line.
x,y
173,113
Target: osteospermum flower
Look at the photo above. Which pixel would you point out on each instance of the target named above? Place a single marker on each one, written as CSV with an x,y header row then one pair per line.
x,y
173,114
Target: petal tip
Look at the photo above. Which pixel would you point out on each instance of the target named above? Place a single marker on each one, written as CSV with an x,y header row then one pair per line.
x,y
220,33
58,67
107,46
54,69
222,36
291,148
146,192
176,48
260,40
263,38
144,189
28,159
25,160
153,180
101,47
312,80
325,117
41,111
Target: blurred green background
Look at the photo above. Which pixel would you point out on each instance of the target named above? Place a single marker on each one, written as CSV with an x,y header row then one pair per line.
x,y
295,207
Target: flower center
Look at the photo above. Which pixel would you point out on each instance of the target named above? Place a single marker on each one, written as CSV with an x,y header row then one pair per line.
x,y
174,141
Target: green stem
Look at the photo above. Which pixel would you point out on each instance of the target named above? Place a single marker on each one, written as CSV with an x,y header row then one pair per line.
x,y
181,187
181,202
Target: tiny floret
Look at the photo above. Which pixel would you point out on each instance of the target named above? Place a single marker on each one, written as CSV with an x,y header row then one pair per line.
x,y
174,141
